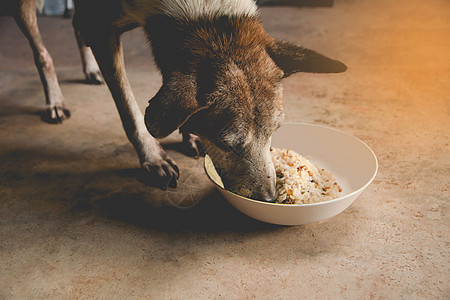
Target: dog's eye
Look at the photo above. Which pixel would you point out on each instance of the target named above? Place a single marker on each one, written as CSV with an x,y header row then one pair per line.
x,y
238,148
223,145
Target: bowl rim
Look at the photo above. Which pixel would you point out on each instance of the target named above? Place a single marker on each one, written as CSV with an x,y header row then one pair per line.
x,y
307,204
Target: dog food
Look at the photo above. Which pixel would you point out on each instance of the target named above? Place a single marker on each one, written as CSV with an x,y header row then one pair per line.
x,y
299,181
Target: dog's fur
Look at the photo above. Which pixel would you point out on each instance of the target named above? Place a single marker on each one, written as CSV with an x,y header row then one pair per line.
x,y
221,81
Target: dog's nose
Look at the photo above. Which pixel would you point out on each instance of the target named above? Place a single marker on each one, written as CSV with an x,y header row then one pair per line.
x,y
267,198
267,195
268,191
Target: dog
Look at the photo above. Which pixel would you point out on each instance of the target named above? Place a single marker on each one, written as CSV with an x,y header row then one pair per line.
x,y
24,13
221,75
221,82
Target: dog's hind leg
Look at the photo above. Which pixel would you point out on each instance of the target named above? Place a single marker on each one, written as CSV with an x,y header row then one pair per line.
x,y
90,66
26,19
107,49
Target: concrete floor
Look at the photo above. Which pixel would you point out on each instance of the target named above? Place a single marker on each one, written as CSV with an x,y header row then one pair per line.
x,y
77,222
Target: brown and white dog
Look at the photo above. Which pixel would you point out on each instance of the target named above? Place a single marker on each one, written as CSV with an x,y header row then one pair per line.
x,y
221,81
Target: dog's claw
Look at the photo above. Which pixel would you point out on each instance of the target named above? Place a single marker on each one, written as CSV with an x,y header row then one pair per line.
x,y
165,170
169,182
94,78
58,113
173,182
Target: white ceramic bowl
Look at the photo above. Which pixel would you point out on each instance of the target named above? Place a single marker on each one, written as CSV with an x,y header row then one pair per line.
x,y
351,161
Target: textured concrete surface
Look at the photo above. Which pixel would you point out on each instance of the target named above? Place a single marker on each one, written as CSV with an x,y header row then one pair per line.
x,y
77,222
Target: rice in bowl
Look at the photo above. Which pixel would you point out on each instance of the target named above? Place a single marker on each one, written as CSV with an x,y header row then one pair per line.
x,y
299,181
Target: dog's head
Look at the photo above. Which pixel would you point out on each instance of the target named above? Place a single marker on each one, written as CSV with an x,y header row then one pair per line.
x,y
229,93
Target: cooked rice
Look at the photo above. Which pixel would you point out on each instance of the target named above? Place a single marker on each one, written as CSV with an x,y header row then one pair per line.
x,y
299,181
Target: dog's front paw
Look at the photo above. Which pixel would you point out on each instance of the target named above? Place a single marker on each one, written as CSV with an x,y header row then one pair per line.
x,y
193,145
162,168
57,113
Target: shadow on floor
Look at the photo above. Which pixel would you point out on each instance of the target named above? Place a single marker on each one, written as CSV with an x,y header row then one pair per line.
x,y
44,180
212,214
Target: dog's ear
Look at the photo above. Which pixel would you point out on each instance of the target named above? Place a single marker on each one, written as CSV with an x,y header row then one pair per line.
x,y
173,105
291,58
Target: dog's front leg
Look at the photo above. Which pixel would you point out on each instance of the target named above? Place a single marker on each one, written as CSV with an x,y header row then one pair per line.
x,y
107,49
